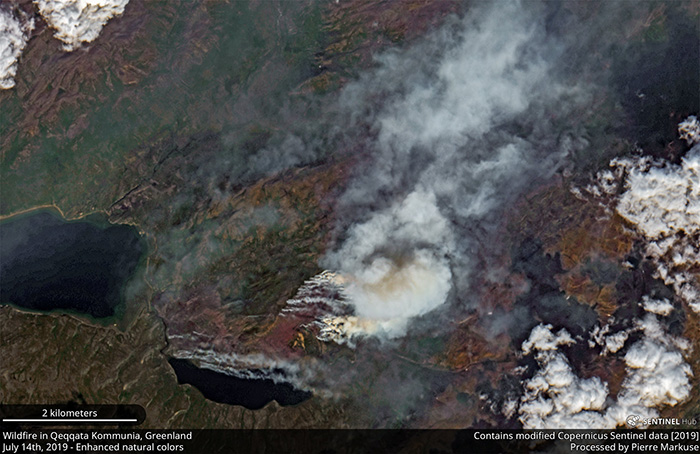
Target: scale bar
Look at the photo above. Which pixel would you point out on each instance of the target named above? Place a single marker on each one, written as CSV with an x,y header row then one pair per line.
x,y
68,420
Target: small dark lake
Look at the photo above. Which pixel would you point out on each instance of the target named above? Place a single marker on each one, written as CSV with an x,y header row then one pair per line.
x,y
48,263
251,393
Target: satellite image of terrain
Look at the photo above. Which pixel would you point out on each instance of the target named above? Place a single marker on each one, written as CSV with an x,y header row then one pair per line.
x,y
353,214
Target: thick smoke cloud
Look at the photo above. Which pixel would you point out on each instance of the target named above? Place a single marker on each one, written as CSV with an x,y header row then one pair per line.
x,y
459,125
14,34
74,22
79,21
388,287
459,130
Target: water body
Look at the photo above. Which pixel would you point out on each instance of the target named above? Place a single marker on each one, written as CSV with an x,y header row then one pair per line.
x,y
48,263
252,393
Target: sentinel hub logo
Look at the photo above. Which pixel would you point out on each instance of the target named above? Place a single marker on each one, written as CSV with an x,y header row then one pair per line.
x,y
636,420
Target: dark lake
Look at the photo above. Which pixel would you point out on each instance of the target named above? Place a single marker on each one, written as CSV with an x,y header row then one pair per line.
x,y
48,263
248,392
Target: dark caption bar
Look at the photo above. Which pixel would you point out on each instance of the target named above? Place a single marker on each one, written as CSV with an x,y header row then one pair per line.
x,y
19,441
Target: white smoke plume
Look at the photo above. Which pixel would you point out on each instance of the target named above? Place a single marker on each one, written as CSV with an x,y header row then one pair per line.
x,y
79,21
387,290
656,376
443,162
256,366
324,290
14,34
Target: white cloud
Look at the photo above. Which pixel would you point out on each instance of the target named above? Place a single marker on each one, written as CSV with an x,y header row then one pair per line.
x,y
660,307
662,200
79,21
656,376
555,397
689,130
14,34
542,339
611,343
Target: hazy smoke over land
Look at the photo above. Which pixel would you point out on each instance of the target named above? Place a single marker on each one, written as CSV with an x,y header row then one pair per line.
x,y
460,123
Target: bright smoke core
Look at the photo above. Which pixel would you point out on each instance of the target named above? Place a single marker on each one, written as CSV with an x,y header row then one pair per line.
x,y
388,288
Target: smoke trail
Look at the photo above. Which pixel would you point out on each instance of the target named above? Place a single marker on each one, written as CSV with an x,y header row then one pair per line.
x,y
460,130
